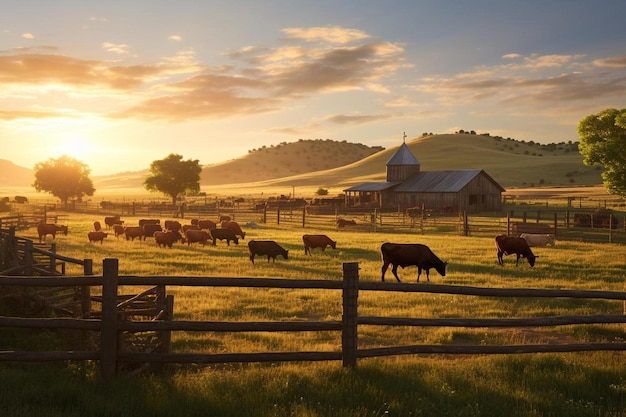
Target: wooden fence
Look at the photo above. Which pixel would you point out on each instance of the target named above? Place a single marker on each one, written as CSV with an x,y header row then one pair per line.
x,y
110,324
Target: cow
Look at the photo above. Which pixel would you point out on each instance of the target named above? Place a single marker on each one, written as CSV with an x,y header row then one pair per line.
x,y
110,221
118,229
167,238
189,227
406,254
267,248
224,218
96,236
150,228
173,225
44,229
97,226
508,245
538,239
224,234
206,224
343,222
197,236
143,222
317,241
132,232
234,226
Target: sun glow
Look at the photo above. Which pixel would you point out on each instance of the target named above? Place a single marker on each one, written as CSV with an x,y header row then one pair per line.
x,y
79,149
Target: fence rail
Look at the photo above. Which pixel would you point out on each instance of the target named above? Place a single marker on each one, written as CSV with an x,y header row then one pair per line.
x,y
111,324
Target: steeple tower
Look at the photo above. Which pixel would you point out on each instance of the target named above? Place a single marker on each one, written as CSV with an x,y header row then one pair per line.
x,y
402,164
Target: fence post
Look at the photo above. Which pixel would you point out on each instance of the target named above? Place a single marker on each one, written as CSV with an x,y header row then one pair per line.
x,y
303,216
86,290
350,313
108,333
556,223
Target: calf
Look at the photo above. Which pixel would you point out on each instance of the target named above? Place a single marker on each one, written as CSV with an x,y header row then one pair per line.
x,y
97,236
405,254
317,241
97,226
268,248
508,245
44,229
132,232
197,236
167,238
538,239
224,234
234,226
118,229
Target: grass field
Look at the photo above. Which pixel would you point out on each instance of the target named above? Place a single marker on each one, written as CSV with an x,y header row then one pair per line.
x,y
570,384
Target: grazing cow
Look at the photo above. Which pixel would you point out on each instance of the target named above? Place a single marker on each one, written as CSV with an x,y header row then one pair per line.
x,y
508,245
173,225
110,221
97,226
538,239
234,226
97,236
317,241
405,254
189,227
268,248
206,224
224,218
132,232
150,228
143,222
224,234
197,236
343,222
44,229
118,229
167,238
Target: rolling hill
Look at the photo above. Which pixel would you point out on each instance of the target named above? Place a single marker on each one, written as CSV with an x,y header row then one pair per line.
x,y
337,165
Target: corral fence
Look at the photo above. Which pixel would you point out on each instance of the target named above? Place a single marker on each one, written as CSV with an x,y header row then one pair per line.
x,y
112,354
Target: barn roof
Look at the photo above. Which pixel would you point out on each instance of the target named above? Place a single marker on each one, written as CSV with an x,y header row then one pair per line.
x,y
442,181
372,186
403,156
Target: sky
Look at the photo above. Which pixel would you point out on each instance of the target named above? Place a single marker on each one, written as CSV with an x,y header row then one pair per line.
x,y
119,84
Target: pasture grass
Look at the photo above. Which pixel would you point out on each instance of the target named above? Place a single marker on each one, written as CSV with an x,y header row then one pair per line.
x,y
570,384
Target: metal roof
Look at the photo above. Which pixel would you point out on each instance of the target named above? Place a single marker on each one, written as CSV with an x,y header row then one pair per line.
x,y
403,156
441,181
372,186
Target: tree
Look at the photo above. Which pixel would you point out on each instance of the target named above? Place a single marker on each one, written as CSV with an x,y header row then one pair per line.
x,y
172,176
64,178
603,142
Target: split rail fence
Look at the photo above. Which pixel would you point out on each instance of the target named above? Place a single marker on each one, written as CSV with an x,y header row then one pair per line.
x,y
111,323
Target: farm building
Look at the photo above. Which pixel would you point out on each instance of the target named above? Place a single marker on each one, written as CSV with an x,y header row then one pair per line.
x,y
471,190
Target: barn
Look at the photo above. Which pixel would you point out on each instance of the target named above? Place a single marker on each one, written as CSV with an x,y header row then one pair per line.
x,y
470,190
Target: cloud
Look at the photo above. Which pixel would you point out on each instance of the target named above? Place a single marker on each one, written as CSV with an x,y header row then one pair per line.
x,y
28,36
613,62
175,38
115,48
357,119
334,34
15,115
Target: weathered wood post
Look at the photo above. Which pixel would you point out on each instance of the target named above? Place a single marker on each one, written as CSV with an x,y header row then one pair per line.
x,y
85,301
350,313
556,223
304,216
465,224
108,332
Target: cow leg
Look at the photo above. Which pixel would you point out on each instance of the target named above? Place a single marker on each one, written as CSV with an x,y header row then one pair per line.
x,y
252,257
384,269
394,269
500,260
419,273
517,259
307,250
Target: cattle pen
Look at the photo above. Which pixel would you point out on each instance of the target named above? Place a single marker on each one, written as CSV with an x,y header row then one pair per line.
x,y
109,324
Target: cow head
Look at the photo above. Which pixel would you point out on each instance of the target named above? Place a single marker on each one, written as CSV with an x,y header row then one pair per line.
x,y
442,268
531,260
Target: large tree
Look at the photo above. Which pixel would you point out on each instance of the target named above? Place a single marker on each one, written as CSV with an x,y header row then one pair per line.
x,y
603,142
64,177
172,176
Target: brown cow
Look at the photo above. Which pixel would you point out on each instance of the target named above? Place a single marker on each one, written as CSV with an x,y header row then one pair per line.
x,y
508,245
234,226
173,225
317,241
149,229
44,229
189,227
343,222
97,236
406,254
266,247
224,234
110,221
206,224
143,222
132,232
197,236
118,229
97,226
167,238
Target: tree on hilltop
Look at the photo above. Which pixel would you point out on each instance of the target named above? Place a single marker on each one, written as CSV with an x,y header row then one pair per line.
x,y
603,142
64,177
172,176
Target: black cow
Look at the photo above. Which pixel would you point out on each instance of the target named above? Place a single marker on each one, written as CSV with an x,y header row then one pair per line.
x,y
267,248
405,254
224,234
508,245
150,228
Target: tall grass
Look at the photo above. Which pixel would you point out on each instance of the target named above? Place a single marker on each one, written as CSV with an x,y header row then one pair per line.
x,y
571,384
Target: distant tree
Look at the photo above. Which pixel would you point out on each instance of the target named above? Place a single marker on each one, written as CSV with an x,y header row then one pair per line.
x,y
172,176
603,141
321,191
64,177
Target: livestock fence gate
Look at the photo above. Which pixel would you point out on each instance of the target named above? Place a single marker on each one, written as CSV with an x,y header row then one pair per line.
x,y
111,323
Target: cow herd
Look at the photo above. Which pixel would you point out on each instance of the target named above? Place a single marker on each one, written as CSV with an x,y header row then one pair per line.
x,y
208,232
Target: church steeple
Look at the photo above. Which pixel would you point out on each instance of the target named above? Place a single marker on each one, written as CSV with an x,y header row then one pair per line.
x,y
402,163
